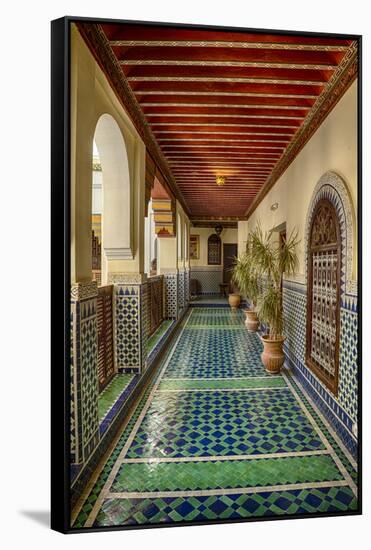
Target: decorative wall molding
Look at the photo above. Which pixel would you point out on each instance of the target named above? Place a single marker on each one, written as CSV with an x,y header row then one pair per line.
x,y
119,253
84,291
126,278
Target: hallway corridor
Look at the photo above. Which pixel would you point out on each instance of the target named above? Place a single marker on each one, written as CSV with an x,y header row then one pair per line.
x,y
214,436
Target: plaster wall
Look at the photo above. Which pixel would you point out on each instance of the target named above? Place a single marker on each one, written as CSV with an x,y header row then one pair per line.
x,y
332,147
91,97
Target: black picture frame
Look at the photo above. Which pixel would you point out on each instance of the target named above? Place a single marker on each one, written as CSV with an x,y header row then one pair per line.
x,y
60,271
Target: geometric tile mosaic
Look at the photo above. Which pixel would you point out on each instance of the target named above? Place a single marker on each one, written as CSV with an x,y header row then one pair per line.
x,y
295,317
348,368
181,283
186,286
144,323
208,279
89,380
128,329
84,378
223,423
206,508
294,304
216,352
171,295
245,442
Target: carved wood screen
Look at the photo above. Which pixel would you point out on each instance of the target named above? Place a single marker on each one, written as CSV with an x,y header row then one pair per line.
x,y
324,261
105,335
156,302
214,248
96,250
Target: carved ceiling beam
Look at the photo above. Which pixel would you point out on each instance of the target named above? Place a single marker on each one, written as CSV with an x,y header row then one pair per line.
x,y
227,45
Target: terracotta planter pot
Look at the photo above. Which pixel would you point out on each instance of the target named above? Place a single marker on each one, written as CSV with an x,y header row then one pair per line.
x,y
234,300
272,356
252,321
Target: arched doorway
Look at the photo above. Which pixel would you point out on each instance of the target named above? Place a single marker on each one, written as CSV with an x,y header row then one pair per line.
x,y
111,230
116,212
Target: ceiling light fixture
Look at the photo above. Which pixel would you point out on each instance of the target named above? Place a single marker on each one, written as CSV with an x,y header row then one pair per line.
x,y
274,206
220,180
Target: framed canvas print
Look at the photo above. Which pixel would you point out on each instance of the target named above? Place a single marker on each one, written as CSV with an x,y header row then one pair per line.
x,y
167,411
194,247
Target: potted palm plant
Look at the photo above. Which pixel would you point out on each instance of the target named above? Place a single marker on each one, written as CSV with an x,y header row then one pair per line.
x,y
246,278
271,259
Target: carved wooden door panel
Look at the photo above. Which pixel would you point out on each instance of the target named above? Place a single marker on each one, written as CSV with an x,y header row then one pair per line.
x,y
324,259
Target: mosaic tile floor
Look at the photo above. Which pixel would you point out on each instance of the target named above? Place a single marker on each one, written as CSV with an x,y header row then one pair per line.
x,y
215,437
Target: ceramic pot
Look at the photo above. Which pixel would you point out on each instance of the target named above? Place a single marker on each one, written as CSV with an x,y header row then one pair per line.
x,y
234,300
272,356
252,321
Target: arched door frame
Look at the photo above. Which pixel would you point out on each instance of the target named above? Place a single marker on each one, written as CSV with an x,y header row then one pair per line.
x,y
331,189
117,211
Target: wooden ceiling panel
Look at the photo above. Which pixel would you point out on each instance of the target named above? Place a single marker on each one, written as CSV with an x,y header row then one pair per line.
x,y
158,72
178,54
148,32
212,102
208,86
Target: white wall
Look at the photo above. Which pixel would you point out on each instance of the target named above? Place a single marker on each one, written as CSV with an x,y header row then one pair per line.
x,y
332,147
227,236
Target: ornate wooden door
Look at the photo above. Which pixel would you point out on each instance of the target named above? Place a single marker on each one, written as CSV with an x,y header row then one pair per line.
x,y
324,261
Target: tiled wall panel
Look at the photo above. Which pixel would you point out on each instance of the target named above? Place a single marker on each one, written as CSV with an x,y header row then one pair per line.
x,y
209,279
342,410
84,372
171,295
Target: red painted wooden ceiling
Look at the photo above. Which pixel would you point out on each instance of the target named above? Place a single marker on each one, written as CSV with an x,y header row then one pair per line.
x,y
223,103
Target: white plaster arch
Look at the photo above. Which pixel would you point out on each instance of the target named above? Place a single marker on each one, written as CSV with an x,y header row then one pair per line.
x,y
117,190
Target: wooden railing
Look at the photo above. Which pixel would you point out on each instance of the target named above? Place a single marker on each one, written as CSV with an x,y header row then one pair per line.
x,y
105,336
156,300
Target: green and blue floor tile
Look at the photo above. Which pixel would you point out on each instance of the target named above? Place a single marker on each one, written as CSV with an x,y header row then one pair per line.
x,y
215,437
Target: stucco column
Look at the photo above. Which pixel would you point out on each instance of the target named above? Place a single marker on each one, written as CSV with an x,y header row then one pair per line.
x,y
168,267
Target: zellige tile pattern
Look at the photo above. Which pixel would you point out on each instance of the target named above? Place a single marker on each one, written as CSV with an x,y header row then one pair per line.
x,y
218,438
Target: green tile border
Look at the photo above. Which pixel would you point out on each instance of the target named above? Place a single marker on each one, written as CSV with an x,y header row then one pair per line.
x,y
222,383
112,392
188,476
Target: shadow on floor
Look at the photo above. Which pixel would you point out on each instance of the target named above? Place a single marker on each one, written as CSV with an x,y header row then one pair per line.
x,y
42,517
